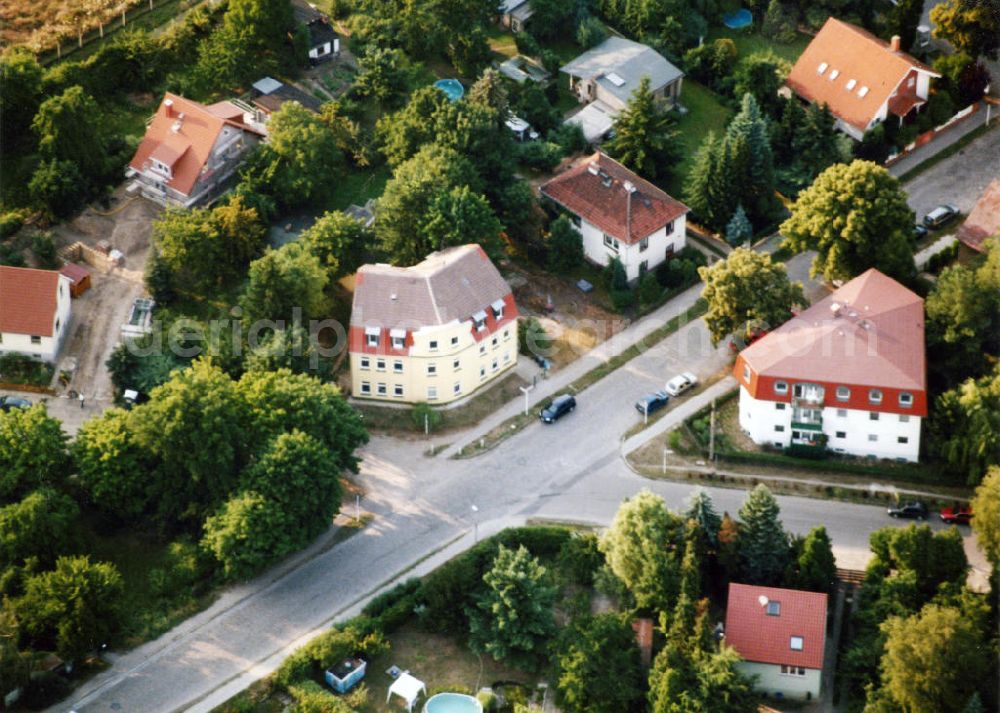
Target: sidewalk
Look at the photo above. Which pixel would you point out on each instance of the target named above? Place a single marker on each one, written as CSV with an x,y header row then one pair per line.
x,y
940,143
939,245
560,380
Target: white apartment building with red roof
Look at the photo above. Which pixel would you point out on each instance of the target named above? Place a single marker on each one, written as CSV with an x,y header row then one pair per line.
x,y
619,214
847,374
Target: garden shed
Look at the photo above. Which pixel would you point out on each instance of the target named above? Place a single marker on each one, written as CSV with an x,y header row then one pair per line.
x,y
408,688
79,278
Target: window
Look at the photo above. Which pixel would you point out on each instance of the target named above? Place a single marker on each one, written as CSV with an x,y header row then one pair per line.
x,y
482,348
365,363
58,322
903,418
779,429
841,434
842,413
873,438
906,399
643,267
506,358
496,365
796,643
843,393
36,340
433,345
781,387
792,670
497,308
366,387
610,242
495,342
432,393
398,340
380,389
457,388
574,219
380,364
644,244
746,373
371,336
457,365
875,396
482,372
669,229
873,415
397,366
454,341
479,318
397,391
902,439
506,334
779,407
773,608
432,369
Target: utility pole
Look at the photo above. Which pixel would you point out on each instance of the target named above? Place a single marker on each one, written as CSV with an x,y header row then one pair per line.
x,y
664,461
427,424
645,413
357,508
711,434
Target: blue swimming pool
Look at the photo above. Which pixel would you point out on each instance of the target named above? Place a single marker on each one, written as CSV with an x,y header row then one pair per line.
x,y
452,88
736,20
452,703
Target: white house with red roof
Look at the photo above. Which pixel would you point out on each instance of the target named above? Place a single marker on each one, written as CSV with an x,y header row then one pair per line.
x,y
35,312
433,332
847,374
861,78
619,214
190,149
781,636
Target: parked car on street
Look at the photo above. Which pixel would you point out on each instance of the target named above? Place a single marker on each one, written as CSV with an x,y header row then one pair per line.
x,y
681,383
650,403
941,215
914,510
956,515
919,232
10,402
560,406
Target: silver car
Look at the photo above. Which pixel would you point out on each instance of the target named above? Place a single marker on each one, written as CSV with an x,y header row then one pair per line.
x,y
681,383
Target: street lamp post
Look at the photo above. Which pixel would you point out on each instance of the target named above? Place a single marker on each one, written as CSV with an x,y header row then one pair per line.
x,y
525,390
475,524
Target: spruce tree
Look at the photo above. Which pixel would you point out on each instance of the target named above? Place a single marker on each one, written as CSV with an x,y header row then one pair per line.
x,y
817,567
783,133
645,138
739,230
815,144
763,544
701,510
697,188
752,163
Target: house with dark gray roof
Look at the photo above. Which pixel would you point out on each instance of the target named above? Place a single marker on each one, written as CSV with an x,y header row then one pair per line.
x,y
605,77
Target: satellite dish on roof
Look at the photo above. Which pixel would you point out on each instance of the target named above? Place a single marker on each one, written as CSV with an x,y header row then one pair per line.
x,y
762,600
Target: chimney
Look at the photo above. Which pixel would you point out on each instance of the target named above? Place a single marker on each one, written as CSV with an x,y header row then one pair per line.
x,y
169,104
629,190
894,43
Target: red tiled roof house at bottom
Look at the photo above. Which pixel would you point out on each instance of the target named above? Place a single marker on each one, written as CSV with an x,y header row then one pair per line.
x,y
781,636
433,332
190,149
619,214
35,312
984,219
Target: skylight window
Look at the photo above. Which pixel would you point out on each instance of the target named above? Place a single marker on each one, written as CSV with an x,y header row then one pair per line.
x,y
834,74
796,643
851,83
615,79
862,92
822,68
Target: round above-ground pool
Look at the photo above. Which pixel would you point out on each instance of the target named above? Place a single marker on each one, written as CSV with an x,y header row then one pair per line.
x,y
736,20
452,88
452,703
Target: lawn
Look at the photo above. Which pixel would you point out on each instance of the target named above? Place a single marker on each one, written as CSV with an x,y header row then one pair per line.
x,y
357,186
748,43
501,42
705,113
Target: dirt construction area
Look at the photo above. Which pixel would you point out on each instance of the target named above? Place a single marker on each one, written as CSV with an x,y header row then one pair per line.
x,y
99,313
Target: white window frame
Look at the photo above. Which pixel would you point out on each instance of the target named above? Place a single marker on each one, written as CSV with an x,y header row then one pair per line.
x,y
875,396
398,342
380,364
797,640
644,244
397,391
902,439
842,413
432,345
366,387
432,369
843,393
904,418
454,341
781,387
381,389
873,438
457,388
746,372
432,393
365,363
371,340
611,243
397,366
456,365
840,434
906,399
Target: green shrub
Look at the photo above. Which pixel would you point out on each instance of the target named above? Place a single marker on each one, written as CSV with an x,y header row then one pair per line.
x,y
649,289
386,600
425,417
11,221
21,369
526,44
590,33
539,155
579,559
328,649
542,542
488,700
532,338
45,251
570,137
621,300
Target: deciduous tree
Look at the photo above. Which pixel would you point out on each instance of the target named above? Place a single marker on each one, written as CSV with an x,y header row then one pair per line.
x,y
340,241
285,286
38,526
986,523
745,292
20,93
32,452
460,216
248,533
761,75
382,76
971,27
642,547
513,619
966,426
565,245
74,608
69,128
856,217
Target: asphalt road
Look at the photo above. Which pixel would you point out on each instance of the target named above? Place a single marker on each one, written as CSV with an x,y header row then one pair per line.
x,y
571,470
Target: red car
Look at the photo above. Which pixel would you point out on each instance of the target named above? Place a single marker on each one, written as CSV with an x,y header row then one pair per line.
x,y
957,516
